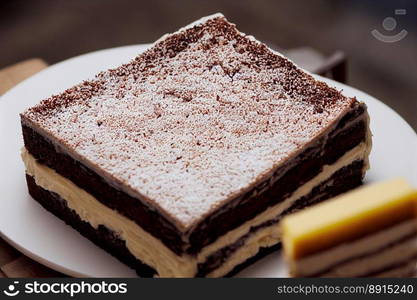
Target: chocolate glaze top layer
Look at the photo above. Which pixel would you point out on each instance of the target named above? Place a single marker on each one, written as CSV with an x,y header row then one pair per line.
x,y
196,120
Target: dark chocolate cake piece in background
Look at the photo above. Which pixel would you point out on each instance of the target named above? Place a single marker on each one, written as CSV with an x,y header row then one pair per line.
x,y
183,160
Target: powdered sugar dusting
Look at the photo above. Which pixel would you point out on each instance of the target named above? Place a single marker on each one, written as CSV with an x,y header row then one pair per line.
x,y
196,120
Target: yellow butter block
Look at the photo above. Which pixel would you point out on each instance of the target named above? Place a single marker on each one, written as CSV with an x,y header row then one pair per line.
x,y
357,213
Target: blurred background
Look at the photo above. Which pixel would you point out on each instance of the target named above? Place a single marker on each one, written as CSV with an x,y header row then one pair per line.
x,y
55,30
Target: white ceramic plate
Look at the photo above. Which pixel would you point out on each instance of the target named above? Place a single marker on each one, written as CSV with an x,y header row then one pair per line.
x,y
46,239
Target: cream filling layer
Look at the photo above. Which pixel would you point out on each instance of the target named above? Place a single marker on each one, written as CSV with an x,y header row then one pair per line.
x,y
321,261
263,238
151,250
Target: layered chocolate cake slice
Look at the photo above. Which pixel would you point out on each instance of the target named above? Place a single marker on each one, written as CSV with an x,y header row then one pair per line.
x,y
182,162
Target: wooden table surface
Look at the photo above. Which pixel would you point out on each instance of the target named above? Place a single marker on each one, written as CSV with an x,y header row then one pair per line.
x,y
12,262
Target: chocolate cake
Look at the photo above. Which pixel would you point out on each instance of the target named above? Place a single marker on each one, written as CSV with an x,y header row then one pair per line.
x,y
182,162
